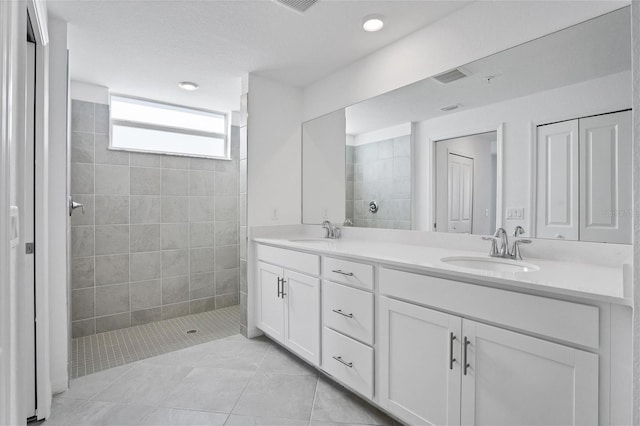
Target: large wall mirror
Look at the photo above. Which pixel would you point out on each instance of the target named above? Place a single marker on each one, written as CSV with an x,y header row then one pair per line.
x,y
538,136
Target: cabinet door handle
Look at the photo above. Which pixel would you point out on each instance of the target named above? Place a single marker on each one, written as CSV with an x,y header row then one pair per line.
x,y
279,292
339,312
452,337
282,293
341,361
465,364
341,272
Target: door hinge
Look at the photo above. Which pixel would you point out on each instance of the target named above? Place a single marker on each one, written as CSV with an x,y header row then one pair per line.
x,y
31,248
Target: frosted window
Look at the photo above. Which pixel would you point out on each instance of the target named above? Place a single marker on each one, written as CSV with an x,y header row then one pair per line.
x,y
142,125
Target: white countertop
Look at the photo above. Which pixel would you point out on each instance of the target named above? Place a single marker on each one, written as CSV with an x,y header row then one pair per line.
x,y
587,281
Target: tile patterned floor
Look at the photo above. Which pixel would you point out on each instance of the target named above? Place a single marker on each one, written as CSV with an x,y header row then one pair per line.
x,y
91,354
230,381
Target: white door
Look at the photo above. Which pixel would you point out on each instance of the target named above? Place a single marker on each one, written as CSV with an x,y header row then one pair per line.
x,y
271,314
420,357
460,193
28,334
513,379
605,178
557,181
302,315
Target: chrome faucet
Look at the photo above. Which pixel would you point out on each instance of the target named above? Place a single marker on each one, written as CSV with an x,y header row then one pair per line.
x,y
333,232
505,251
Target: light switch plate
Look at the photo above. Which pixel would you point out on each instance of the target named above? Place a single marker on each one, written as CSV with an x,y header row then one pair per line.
x,y
515,213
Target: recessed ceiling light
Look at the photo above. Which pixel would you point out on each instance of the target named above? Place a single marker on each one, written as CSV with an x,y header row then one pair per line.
x,y
188,85
372,23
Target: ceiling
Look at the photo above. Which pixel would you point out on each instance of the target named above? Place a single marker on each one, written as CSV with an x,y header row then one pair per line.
x,y
145,47
593,49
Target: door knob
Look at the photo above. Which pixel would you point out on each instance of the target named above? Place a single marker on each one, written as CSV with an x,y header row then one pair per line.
x,y
73,205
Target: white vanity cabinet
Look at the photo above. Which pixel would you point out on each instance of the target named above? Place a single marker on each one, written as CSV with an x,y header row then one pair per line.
x,y
441,368
289,301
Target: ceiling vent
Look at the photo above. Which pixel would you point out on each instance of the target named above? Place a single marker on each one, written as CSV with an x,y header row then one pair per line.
x,y
298,5
451,76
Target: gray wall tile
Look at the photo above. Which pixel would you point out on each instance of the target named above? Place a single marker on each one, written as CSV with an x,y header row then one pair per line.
x,y
146,294
82,300
83,328
227,281
227,300
145,181
175,209
175,289
112,179
201,164
145,266
111,209
175,310
146,316
202,234
175,236
102,119
175,182
144,238
201,260
226,233
82,241
82,116
202,305
112,239
112,269
201,209
226,208
175,162
175,262
226,257
202,285
201,183
139,159
226,184
82,272
104,155
145,209
82,181
82,147
113,322
112,299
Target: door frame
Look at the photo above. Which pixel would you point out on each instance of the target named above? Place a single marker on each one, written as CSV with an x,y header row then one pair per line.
x,y
432,140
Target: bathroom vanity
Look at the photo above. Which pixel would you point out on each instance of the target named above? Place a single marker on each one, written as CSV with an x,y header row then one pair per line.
x,y
433,341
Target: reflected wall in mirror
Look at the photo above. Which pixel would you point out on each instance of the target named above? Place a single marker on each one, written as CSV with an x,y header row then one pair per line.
x,y
574,181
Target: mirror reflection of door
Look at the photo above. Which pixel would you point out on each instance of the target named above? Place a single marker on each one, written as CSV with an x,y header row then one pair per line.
x,y
466,184
460,193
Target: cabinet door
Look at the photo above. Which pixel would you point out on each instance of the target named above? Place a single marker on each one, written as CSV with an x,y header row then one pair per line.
x,y
302,315
271,314
516,379
557,181
418,382
605,178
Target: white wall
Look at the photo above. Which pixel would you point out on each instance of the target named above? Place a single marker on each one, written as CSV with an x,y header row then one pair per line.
x,y
58,292
478,30
601,95
274,153
323,169
88,92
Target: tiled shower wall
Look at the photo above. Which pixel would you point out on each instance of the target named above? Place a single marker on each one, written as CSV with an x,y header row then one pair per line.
x,y
381,172
159,237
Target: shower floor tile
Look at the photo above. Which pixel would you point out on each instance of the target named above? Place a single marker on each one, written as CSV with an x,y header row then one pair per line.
x,y
102,351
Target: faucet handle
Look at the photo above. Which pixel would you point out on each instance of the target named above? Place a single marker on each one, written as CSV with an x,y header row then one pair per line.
x,y
519,230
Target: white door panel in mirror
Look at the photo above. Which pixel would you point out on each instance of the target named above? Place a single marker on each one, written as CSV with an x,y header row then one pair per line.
x,y
581,71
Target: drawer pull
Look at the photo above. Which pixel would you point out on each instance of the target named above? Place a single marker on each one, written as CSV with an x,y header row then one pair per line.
x,y
341,272
339,312
341,361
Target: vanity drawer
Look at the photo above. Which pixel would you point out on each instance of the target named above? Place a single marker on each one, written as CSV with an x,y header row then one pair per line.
x,y
344,271
348,310
290,259
558,319
348,361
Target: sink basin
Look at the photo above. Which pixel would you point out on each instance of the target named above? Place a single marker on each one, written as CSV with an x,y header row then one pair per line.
x,y
311,240
490,264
